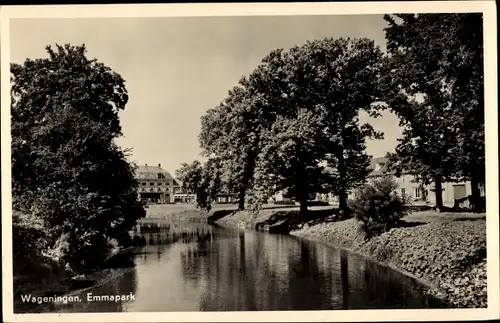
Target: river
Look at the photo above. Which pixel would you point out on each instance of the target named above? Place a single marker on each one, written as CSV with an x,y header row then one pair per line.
x,y
188,266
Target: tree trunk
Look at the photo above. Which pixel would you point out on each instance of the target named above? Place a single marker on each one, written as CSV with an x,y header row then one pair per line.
x,y
342,190
475,195
247,177
241,199
342,201
438,185
303,203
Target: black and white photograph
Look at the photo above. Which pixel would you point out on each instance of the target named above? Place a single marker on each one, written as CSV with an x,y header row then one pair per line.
x,y
249,159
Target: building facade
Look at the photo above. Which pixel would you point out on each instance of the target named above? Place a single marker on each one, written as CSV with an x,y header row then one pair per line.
x,y
408,186
418,193
156,185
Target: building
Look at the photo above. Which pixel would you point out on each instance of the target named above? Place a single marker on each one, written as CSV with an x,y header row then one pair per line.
x,y
181,196
156,185
229,198
418,193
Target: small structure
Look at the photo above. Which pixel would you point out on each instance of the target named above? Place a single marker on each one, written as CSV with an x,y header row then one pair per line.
x,y
181,196
229,198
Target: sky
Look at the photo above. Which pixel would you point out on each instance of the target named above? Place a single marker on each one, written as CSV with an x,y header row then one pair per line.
x,y
177,68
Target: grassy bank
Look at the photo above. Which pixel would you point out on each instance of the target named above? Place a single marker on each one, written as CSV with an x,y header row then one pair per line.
x,y
445,251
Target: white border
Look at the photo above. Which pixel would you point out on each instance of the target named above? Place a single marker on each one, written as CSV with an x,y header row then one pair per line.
x,y
179,10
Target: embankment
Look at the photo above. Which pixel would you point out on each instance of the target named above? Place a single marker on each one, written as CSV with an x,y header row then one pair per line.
x,y
446,252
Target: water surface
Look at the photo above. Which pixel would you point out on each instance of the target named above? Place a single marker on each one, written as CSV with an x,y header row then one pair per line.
x,y
197,267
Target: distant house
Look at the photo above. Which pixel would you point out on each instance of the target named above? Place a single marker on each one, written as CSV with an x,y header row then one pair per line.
x,y
156,185
408,186
418,193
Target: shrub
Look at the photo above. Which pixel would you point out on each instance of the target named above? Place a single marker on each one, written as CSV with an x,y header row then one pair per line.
x,y
28,239
378,207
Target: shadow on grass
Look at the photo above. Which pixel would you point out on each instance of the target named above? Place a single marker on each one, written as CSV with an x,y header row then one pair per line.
x,y
286,221
219,214
283,206
409,224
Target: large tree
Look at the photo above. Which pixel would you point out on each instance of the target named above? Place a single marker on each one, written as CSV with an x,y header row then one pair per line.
x,y
232,130
66,168
433,82
328,83
290,159
345,76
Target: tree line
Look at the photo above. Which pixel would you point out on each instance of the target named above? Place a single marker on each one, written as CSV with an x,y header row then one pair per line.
x,y
293,123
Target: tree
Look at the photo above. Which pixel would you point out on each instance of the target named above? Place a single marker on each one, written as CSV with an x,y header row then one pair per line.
x,y
343,75
202,180
434,83
226,134
211,183
66,168
290,159
232,130
328,82
466,72
190,176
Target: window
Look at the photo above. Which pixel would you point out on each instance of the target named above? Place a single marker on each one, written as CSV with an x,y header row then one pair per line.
x,y
159,183
151,184
417,192
143,183
403,192
161,176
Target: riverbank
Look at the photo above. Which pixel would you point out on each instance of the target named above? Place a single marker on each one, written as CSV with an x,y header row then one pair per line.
x,y
446,251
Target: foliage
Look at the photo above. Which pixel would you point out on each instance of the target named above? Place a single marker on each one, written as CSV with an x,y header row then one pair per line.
x,y
203,180
190,176
433,81
292,155
378,207
298,109
448,253
66,168
211,184
232,130
28,234
328,82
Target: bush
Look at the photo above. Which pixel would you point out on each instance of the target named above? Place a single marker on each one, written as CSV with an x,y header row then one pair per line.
x,y
378,207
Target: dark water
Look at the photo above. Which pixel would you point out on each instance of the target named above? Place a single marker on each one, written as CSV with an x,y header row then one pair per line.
x,y
197,267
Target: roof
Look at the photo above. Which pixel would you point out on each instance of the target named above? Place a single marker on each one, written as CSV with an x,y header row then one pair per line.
x,y
151,172
382,162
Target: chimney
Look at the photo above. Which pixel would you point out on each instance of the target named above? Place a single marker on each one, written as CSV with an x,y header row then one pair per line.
x,y
159,165
146,165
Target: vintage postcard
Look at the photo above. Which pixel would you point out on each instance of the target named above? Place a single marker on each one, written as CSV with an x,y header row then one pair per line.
x,y
250,162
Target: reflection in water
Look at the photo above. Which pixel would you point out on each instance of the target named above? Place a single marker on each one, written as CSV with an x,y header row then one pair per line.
x,y
197,267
